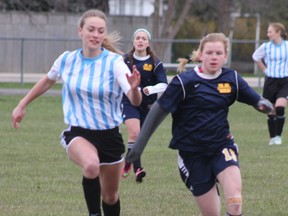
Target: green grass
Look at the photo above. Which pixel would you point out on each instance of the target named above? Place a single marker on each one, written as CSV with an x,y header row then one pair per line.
x,y
28,85
36,178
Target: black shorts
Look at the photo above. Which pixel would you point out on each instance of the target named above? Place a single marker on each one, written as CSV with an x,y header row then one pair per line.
x,y
199,171
275,88
109,143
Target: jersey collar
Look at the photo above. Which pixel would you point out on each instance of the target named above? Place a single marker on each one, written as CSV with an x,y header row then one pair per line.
x,y
206,76
140,58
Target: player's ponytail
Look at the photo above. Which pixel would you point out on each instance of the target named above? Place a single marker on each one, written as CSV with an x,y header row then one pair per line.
x,y
112,42
279,27
182,63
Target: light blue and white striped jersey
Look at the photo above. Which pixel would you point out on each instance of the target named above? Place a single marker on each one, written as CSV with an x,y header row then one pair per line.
x,y
275,57
92,88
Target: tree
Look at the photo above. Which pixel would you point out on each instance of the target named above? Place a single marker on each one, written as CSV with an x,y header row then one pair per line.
x,y
181,13
54,5
171,25
195,18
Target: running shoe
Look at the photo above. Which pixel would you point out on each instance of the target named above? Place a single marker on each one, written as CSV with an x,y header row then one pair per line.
x,y
272,141
140,174
126,169
278,140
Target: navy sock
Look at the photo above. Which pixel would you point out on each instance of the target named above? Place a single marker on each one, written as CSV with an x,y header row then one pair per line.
x,y
129,146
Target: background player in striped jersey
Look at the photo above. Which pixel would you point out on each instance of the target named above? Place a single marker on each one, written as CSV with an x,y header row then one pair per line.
x,y
94,80
199,101
272,59
153,81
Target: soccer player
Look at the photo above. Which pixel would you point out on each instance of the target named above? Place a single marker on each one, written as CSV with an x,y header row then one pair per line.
x,y
272,59
199,101
153,81
94,80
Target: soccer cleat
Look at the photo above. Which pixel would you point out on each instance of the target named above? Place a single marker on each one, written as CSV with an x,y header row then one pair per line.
x,y
278,140
126,169
140,174
272,141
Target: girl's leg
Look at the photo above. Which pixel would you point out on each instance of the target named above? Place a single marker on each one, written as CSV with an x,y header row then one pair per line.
x,y
231,183
133,129
84,154
110,179
279,118
209,203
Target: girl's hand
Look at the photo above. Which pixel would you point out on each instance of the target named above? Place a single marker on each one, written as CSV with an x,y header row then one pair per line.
x,y
134,79
17,116
146,91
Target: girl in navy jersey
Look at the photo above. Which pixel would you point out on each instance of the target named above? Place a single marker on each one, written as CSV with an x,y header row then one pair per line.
x,y
94,79
199,101
272,59
153,81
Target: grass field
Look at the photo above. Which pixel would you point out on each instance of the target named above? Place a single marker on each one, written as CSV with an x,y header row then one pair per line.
x,y
36,178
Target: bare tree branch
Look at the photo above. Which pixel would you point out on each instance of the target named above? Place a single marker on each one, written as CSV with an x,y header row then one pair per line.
x,y
181,19
171,25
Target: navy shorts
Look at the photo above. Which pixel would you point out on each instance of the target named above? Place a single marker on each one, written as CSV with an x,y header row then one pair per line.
x,y
275,88
109,143
129,111
199,171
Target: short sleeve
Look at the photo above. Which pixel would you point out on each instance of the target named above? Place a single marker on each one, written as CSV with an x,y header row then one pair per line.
x,y
120,71
54,73
259,53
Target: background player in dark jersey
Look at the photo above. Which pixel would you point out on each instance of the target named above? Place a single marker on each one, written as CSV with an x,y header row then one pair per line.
x,y
153,81
91,98
275,67
199,101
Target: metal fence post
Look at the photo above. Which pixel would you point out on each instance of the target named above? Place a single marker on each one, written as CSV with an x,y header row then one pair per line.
x,y
22,62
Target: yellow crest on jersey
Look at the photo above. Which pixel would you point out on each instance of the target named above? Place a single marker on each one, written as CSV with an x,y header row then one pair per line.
x,y
224,88
147,67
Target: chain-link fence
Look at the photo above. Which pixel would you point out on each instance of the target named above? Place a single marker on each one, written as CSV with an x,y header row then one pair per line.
x,y
24,56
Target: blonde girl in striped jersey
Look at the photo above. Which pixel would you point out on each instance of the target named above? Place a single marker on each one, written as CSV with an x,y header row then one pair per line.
x,y
94,79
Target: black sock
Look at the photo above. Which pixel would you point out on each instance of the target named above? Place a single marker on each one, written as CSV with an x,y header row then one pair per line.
x,y
111,210
271,125
279,120
279,125
227,214
92,193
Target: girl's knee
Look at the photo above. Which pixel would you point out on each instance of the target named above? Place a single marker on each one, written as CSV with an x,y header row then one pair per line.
x,y
234,205
110,199
91,170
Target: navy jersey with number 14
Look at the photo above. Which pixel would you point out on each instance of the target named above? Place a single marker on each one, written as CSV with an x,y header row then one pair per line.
x,y
199,105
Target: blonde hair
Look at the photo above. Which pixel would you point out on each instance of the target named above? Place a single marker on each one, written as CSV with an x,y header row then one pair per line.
x,y
279,27
194,56
112,40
